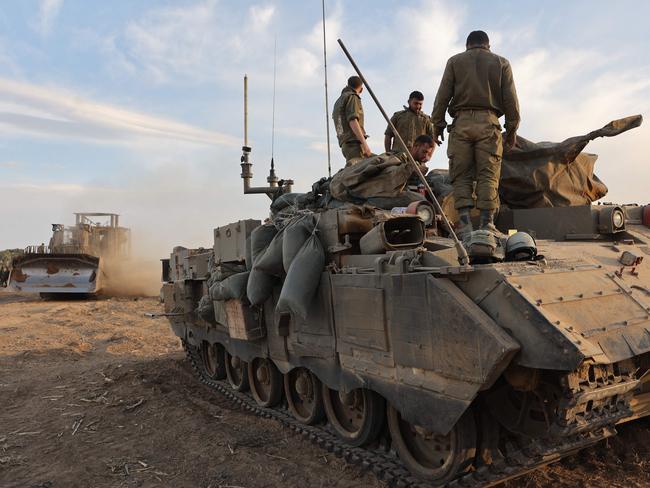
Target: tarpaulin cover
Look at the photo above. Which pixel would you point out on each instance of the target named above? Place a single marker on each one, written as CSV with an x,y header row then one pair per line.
x,y
548,174
385,175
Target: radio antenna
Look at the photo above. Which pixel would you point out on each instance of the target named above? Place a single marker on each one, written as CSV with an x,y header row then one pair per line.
x,y
327,110
275,59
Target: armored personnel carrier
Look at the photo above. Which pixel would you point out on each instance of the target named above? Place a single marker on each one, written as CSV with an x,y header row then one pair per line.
x,y
355,324
76,260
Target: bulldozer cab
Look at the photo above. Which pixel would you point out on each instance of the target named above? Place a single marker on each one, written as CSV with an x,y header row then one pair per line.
x,y
97,234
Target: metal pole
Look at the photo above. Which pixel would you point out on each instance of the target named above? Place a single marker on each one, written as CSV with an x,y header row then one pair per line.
x,y
275,48
462,253
327,112
246,110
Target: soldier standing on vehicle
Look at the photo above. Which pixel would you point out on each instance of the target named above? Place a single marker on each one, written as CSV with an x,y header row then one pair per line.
x,y
410,123
477,87
348,121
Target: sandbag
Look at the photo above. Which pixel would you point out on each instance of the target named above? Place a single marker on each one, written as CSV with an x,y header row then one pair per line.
x,y
205,309
295,235
303,278
225,270
271,260
261,237
233,287
249,254
283,201
259,287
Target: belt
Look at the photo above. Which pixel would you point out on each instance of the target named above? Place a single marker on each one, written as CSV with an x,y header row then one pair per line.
x,y
477,110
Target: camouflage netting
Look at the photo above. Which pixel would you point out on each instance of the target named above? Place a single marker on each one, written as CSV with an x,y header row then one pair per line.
x,y
547,174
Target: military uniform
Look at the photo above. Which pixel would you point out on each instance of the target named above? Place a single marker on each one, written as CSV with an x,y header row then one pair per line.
x,y
348,107
478,88
409,125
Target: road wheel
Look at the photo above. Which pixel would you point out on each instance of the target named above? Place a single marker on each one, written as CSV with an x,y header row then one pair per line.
x,y
304,395
265,381
435,457
357,417
213,359
237,373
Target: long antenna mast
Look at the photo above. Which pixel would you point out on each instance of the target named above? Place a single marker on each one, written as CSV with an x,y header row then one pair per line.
x,y
327,110
462,253
245,110
275,46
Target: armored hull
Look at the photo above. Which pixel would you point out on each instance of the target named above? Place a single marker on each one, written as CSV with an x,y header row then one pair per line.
x,y
476,373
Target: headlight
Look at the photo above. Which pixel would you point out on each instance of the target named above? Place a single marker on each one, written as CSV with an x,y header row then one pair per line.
x,y
611,219
618,219
424,210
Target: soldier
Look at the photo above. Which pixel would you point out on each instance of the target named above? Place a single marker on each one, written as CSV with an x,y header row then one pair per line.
x,y
4,275
410,123
348,121
478,88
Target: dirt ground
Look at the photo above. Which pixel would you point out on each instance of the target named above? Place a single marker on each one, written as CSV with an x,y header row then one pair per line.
x,y
94,394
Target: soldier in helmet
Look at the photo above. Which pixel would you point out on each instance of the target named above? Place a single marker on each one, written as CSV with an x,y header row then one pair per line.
x,y
477,87
348,121
410,123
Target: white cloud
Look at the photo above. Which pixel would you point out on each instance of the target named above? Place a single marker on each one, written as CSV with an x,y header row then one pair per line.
x,y
195,43
48,11
47,112
261,16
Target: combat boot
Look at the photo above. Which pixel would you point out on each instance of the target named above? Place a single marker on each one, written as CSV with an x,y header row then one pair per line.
x,y
464,223
486,222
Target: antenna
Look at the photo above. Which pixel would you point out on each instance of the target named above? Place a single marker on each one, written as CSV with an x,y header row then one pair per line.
x,y
327,110
275,59
246,110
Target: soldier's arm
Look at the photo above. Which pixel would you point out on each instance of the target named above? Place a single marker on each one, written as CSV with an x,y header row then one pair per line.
x,y
510,101
388,142
388,134
352,113
443,97
361,137
428,130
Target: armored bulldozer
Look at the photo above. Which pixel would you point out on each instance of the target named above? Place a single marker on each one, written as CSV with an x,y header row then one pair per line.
x,y
76,260
355,324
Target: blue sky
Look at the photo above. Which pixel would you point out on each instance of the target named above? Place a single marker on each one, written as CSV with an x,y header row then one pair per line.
x,y
136,107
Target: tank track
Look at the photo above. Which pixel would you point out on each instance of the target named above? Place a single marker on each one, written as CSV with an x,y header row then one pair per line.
x,y
386,466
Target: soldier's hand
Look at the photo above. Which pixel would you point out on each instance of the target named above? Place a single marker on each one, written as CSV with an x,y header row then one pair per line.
x,y
439,136
510,142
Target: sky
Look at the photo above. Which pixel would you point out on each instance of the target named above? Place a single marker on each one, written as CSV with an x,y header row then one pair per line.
x,y
137,107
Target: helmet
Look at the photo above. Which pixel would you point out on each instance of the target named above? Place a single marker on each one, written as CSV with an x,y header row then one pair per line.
x,y
520,246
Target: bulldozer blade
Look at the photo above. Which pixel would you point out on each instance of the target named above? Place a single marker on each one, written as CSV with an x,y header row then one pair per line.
x,y
56,274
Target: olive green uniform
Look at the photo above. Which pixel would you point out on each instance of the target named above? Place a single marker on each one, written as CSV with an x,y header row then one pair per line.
x,y
478,88
348,107
409,125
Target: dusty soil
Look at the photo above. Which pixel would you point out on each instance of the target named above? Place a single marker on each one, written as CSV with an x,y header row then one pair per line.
x,y
92,393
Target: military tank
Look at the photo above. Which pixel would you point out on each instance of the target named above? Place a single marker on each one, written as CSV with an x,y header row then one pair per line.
x,y
359,323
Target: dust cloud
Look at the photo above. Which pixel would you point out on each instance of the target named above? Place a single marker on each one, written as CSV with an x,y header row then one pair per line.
x,y
131,277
